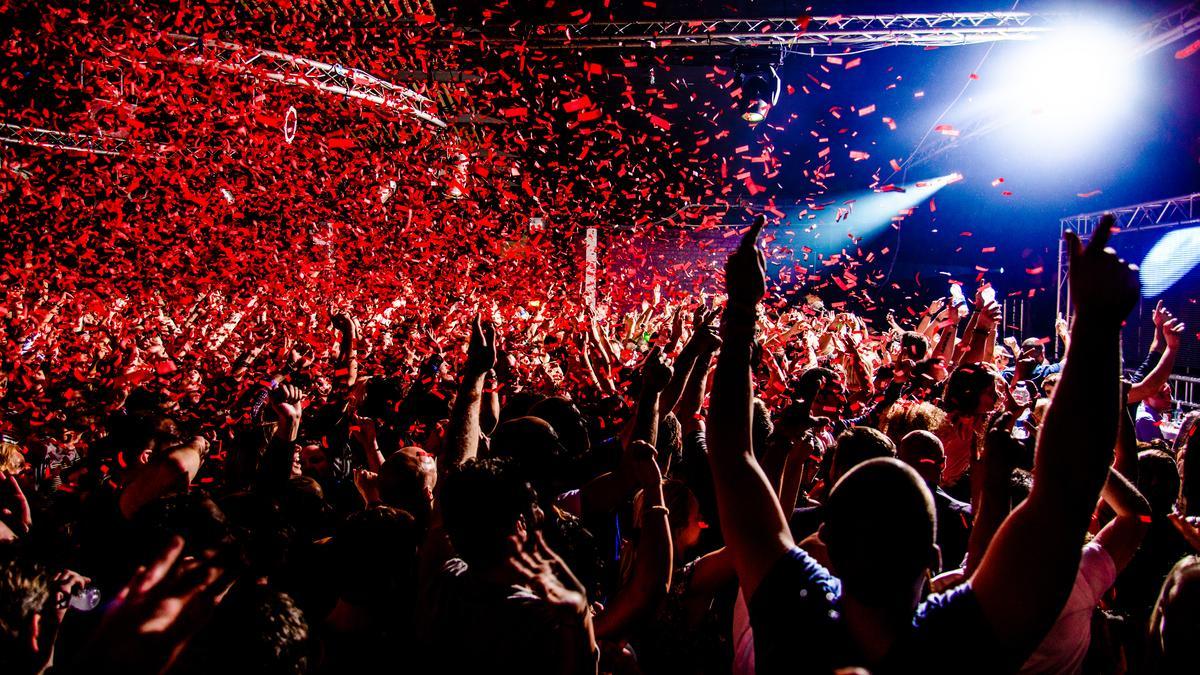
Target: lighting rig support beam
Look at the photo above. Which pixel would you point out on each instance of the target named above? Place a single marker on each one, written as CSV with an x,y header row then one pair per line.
x,y
64,140
945,29
296,70
1173,212
1167,28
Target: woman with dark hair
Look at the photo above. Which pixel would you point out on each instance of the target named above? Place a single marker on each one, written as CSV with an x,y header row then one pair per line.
x,y
971,394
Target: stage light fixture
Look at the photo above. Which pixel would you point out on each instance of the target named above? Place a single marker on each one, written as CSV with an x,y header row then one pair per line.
x,y
760,92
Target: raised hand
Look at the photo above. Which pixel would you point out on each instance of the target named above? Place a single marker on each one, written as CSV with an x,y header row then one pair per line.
x,y
367,483
286,402
1188,527
1104,287
347,325
1172,330
362,432
151,620
1161,315
481,350
1060,327
990,315
643,465
656,373
745,273
544,573
707,339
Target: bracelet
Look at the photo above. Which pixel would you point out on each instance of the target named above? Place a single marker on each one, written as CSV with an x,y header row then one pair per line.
x,y
657,507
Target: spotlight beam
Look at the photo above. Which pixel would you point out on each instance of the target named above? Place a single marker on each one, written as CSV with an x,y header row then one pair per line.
x,y
1148,38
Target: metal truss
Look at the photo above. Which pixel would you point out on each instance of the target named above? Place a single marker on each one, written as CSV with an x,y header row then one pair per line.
x,y
295,70
65,140
1167,28
873,30
1164,213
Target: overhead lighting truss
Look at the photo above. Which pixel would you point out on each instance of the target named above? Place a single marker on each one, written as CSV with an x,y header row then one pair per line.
x,y
1168,27
945,29
1164,213
299,71
65,140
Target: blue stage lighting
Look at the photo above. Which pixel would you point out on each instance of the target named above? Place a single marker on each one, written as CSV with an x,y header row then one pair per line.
x,y
1170,259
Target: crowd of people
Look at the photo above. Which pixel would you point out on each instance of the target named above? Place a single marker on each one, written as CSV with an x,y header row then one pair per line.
x,y
709,486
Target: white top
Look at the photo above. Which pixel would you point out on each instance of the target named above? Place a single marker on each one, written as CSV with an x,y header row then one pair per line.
x,y
1065,646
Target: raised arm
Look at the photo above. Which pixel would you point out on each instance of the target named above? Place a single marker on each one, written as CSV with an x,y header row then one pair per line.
x,y
1172,330
463,433
347,361
752,521
698,342
1042,536
171,471
691,400
982,338
276,465
1123,534
608,491
643,426
651,579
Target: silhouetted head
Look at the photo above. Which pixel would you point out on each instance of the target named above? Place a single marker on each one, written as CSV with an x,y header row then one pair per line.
x,y
855,446
483,505
407,480
1158,480
566,420
880,530
534,449
923,451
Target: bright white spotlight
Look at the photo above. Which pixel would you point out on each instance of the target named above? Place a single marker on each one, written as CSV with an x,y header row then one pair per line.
x,y
1071,84
1169,260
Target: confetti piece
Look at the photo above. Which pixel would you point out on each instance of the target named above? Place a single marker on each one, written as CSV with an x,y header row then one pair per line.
x,y
1188,50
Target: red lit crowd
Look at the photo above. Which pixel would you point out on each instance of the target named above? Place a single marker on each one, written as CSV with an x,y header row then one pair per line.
x,y
708,486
